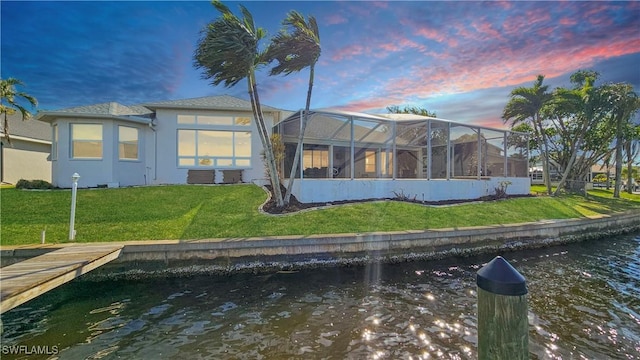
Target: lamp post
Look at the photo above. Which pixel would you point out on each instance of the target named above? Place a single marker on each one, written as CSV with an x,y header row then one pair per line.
x,y
74,190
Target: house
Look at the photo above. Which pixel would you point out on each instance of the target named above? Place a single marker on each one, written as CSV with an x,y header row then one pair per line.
x,y
355,156
202,140
346,155
26,155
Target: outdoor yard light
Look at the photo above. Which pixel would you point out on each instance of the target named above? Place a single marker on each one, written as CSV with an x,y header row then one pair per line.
x,y
74,190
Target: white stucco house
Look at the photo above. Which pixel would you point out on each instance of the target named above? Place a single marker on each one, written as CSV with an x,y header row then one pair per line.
x,y
26,156
346,155
202,140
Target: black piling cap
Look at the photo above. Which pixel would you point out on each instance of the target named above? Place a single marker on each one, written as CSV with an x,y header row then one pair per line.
x,y
499,277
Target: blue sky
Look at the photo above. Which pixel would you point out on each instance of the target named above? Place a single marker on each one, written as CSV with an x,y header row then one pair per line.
x,y
459,59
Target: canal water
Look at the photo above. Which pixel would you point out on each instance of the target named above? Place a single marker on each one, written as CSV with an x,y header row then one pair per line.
x,y
584,303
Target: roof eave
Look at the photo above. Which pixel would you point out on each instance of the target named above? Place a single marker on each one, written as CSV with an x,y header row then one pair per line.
x,y
50,116
202,107
23,138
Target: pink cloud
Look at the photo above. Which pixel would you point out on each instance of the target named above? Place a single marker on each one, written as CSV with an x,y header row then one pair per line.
x,y
431,34
483,70
335,19
567,21
486,28
348,52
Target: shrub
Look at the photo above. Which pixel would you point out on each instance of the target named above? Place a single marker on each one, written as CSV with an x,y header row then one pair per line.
x,y
33,184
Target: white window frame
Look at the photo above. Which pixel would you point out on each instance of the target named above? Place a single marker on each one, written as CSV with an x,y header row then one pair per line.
x,y
72,141
120,142
237,124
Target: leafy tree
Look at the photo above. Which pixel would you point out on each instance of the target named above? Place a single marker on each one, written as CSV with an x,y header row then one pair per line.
x,y
295,47
395,109
576,113
11,100
228,52
526,105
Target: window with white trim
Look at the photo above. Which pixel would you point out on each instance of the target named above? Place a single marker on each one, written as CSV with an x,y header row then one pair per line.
x,y
86,141
127,143
214,148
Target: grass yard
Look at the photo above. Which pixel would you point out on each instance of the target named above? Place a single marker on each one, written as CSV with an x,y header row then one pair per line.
x,y
200,212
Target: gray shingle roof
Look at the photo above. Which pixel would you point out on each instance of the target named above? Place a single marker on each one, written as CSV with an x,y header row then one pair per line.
x,y
223,102
31,128
110,108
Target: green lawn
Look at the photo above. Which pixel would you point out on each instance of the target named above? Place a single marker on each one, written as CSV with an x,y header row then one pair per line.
x,y
198,212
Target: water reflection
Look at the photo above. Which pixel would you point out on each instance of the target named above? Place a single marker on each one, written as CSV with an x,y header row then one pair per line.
x,y
584,301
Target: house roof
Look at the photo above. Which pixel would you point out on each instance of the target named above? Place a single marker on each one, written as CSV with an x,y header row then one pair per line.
x,y
222,102
136,113
110,108
28,130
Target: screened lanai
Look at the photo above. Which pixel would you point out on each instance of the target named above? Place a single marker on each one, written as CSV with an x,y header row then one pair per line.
x,y
341,145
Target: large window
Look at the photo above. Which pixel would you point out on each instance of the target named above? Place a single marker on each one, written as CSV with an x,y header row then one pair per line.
x,y
127,143
213,148
86,141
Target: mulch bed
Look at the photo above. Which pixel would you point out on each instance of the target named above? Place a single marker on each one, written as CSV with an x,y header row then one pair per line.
x,y
295,205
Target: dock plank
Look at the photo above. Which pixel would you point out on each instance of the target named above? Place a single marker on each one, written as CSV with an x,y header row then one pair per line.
x,y
28,279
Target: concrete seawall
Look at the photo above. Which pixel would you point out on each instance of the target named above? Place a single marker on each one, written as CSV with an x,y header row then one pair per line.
x,y
222,256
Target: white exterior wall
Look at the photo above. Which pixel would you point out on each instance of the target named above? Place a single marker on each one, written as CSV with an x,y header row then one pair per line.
x,y
131,172
328,190
94,172
166,166
25,160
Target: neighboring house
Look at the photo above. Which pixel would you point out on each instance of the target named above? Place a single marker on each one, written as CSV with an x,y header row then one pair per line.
x,y
27,155
202,140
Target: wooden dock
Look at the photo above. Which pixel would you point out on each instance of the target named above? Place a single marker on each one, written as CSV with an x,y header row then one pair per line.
x,y
28,279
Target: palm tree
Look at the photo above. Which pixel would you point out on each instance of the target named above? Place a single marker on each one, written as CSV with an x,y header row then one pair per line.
x,y
623,103
9,103
525,106
296,47
228,52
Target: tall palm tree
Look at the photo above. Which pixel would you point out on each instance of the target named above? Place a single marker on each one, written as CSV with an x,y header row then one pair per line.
x,y
526,106
623,103
228,52
295,47
10,102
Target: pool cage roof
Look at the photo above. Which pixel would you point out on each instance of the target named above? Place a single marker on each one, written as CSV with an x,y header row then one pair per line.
x,y
467,150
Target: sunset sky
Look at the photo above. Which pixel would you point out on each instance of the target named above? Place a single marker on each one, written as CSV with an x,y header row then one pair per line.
x,y
459,59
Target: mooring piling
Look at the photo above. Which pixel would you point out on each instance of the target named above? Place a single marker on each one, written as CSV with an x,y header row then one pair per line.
x,y
503,325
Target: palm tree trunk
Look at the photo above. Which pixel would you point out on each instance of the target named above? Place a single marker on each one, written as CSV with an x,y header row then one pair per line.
x,y
5,128
303,126
545,155
266,142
